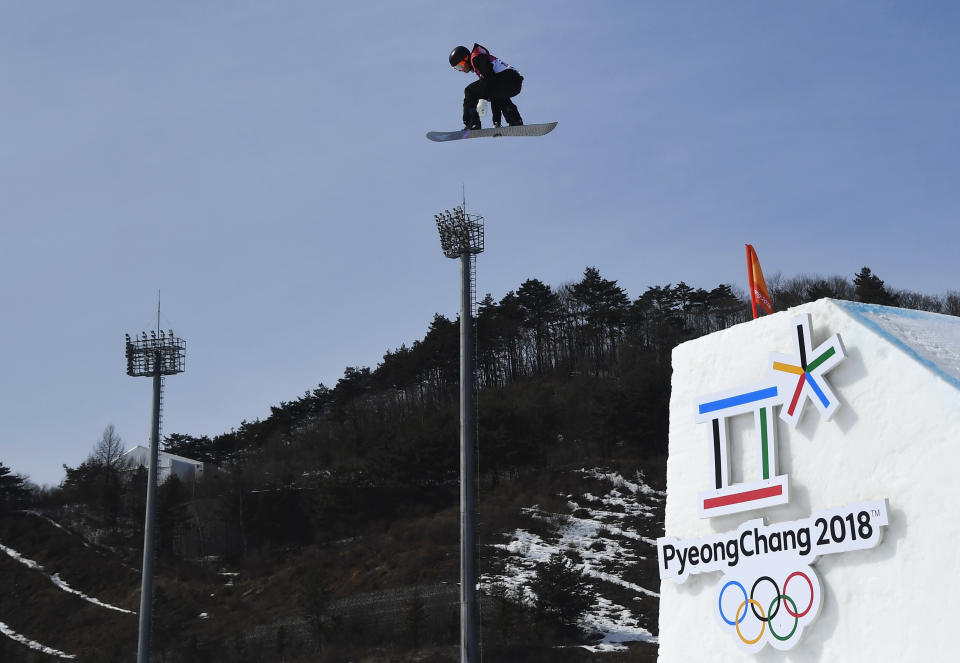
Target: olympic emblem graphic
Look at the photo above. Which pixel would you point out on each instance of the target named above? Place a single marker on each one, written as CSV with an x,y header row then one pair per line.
x,y
792,381
767,607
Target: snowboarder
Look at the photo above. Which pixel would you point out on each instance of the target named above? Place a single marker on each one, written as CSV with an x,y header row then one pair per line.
x,y
498,83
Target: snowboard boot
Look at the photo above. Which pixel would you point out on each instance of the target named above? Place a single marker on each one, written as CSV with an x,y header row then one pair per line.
x,y
512,115
471,119
496,106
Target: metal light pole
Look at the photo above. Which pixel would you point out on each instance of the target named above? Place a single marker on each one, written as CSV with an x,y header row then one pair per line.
x,y
159,355
461,236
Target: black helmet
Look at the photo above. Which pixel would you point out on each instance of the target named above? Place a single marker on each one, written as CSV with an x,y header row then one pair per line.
x,y
460,56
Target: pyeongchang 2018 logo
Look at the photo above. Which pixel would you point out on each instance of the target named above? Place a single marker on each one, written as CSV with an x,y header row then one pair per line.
x,y
769,591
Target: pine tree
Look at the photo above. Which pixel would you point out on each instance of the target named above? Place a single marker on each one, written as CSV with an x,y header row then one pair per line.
x,y
538,304
13,489
561,590
869,289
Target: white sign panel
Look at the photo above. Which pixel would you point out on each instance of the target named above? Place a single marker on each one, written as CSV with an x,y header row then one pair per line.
x,y
769,592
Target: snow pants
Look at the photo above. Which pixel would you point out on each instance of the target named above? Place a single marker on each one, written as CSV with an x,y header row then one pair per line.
x,y
498,90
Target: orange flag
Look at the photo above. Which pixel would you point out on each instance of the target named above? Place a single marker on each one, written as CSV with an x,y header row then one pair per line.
x,y
758,287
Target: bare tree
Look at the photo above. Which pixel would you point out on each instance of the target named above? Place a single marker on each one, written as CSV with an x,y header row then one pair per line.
x,y
108,450
918,301
951,303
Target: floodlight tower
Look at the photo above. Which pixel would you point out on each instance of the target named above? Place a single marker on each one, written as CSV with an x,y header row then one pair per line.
x,y
157,356
461,236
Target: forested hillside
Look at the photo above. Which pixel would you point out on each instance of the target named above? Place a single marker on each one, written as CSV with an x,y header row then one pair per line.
x,y
331,525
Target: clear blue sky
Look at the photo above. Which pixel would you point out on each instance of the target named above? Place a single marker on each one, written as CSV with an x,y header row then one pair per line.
x,y
263,165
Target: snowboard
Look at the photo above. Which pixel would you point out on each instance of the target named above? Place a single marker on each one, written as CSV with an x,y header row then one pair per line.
x,y
522,130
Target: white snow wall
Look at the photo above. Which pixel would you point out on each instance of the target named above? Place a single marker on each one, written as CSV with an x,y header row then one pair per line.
x,y
896,435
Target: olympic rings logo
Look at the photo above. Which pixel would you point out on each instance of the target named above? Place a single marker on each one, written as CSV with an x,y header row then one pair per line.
x,y
764,612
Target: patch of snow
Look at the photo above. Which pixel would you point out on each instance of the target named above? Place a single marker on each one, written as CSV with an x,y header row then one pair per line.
x,y
229,575
32,644
602,647
29,563
634,487
55,578
34,512
617,624
592,526
58,581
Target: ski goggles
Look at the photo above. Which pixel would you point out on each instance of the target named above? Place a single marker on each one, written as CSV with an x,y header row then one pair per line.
x,y
463,65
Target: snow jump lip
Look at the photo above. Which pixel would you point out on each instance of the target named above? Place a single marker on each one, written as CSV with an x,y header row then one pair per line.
x,y
522,130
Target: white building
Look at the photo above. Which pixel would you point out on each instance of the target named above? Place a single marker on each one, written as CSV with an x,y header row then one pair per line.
x,y
186,469
835,509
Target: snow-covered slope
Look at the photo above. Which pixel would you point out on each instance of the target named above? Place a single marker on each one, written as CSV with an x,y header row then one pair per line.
x,y
609,533
931,339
